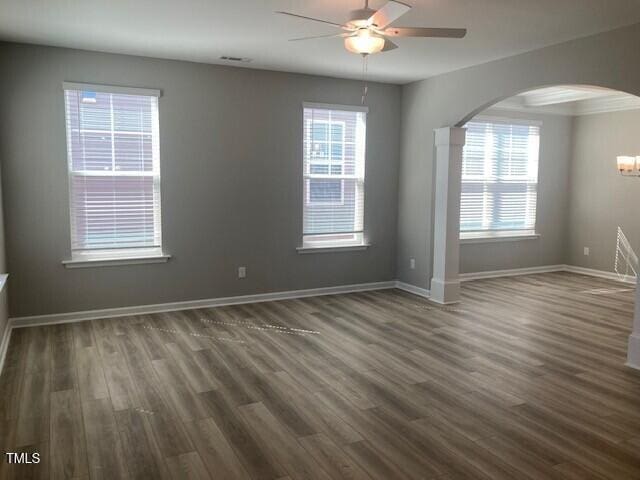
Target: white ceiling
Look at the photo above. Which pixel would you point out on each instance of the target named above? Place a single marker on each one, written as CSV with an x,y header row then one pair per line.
x,y
574,100
205,30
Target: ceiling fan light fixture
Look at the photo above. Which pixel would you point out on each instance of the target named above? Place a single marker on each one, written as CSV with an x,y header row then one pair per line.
x,y
366,30
365,42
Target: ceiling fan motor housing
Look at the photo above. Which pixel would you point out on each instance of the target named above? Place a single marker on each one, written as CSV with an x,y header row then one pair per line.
x,y
358,18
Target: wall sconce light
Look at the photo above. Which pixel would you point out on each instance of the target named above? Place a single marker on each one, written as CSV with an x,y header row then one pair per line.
x,y
629,166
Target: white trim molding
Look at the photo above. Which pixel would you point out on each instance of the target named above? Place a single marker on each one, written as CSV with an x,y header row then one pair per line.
x,y
334,106
445,292
633,351
569,101
600,273
36,320
509,237
4,343
612,103
113,262
407,287
562,94
508,120
465,277
150,92
445,285
512,272
333,248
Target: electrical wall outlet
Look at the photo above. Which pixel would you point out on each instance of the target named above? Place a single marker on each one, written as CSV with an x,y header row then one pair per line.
x,y
586,251
412,263
242,272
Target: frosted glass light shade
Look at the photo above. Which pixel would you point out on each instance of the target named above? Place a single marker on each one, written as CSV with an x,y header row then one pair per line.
x,y
627,164
364,42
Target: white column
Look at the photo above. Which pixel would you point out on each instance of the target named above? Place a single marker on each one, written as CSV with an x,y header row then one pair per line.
x,y
445,285
633,354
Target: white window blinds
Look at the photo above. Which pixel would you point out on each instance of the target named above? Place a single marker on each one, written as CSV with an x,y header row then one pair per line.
x,y
334,164
114,169
499,176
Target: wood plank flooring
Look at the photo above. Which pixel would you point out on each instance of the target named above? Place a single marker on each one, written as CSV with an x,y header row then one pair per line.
x,y
524,379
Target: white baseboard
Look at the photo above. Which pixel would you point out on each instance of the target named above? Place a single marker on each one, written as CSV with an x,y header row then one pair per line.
x,y
4,343
36,320
422,292
465,277
599,273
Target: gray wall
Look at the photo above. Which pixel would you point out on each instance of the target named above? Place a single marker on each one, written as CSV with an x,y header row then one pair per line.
x,y
609,59
600,198
551,209
231,143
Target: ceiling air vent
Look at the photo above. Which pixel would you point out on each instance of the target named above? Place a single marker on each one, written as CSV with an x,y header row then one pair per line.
x,y
235,59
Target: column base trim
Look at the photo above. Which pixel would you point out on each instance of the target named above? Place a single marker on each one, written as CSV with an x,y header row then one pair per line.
x,y
633,353
445,291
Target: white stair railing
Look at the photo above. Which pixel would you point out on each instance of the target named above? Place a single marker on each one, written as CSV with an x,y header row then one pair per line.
x,y
626,264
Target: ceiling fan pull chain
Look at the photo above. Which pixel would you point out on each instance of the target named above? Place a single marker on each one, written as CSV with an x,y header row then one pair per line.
x,y
365,87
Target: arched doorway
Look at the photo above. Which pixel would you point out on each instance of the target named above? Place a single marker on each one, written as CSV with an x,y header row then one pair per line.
x,y
450,143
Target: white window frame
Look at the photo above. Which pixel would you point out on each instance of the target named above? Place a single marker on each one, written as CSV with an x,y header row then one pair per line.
x,y
351,240
482,236
125,255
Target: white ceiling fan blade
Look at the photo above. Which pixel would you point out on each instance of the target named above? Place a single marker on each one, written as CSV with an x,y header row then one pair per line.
x,y
388,45
390,12
333,24
320,36
425,32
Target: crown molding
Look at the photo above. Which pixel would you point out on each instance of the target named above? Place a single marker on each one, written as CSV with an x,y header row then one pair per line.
x,y
508,106
603,104
613,103
560,95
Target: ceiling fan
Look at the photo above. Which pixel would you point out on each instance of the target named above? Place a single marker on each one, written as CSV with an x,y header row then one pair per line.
x,y
367,30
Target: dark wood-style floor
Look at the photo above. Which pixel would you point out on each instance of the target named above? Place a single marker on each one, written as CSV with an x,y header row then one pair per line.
x,y
524,379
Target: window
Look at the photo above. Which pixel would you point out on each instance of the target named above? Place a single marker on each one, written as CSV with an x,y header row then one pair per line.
x,y
499,178
114,172
333,163
327,158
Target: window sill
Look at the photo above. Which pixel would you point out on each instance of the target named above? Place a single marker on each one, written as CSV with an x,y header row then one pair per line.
x,y
332,248
505,237
113,262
